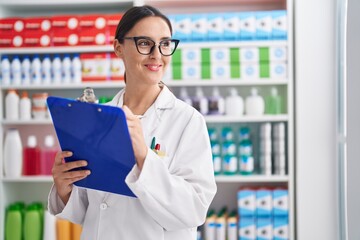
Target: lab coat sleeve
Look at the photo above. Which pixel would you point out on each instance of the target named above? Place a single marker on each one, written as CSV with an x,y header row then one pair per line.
x,y
74,210
178,197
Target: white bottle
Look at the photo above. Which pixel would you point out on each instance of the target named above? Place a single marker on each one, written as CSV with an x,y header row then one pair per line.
x,y
76,69
254,104
36,70
49,226
56,69
26,71
25,106
216,103
66,69
16,71
13,158
5,70
46,70
184,96
12,105
200,102
234,104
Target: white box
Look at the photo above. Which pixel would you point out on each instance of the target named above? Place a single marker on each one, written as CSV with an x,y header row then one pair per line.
x,y
190,55
249,55
191,71
278,53
219,55
220,71
249,71
278,70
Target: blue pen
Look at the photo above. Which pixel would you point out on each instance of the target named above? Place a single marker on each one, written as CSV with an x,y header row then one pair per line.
x,y
152,143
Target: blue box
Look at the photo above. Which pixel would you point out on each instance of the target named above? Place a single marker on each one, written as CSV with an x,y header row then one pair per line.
x,y
264,229
246,203
183,27
279,19
247,26
280,203
264,25
231,26
280,228
199,26
264,203
247,228
215,26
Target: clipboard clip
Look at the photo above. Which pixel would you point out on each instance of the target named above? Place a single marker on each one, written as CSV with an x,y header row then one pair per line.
x,y
88,96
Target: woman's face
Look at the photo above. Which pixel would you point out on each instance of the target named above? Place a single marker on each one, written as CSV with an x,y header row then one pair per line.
x,y
145,69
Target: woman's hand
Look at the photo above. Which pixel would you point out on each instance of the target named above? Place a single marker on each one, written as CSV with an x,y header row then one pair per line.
x,y
137,137
63,177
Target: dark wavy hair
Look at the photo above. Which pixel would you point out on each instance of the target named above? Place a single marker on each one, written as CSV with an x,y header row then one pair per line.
x,y
133,16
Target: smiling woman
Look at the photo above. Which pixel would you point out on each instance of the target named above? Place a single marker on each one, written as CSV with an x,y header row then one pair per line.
x,y
173,178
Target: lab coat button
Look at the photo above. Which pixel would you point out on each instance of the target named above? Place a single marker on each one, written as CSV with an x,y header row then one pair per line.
x,y
103,206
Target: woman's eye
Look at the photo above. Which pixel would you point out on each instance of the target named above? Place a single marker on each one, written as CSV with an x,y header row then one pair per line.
x,y
144,43
165,43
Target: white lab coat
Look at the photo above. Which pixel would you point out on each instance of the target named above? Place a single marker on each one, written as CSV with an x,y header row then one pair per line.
x,y
173,192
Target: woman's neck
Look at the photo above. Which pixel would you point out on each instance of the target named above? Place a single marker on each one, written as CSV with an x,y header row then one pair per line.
x,y
139,99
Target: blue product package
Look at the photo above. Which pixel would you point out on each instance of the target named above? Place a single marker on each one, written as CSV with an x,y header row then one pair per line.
x,y
231,26
199,27
247,228
263,25
247,25
280,228
280,203
215,26
264,203
246,203
183,27
264,229
279,29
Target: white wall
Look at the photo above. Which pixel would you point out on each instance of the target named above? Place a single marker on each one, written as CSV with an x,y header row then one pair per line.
x,y
316,197
353,100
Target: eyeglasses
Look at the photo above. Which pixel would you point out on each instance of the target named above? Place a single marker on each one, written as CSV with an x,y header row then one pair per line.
x,y
146,46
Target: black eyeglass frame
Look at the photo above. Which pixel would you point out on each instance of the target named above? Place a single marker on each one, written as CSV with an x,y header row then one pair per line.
x,y
176,41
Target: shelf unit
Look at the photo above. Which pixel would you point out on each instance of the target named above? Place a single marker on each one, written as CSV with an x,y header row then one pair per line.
x,y
21,188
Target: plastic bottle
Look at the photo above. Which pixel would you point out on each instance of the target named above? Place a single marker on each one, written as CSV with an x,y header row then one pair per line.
x,y
221,225
254,104
184,96
216,103
13,158
66,69
273,102
232,231
36,70
56,69
234,104
26,70
33,223
63,229
14,223
25,106
76,69
12,105
246,152
16,71
49,226
76,231
31,157
200,102
46,70
210,226
5,70
48,155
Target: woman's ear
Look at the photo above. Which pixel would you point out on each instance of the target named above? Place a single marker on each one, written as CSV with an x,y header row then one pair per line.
x,y
117,48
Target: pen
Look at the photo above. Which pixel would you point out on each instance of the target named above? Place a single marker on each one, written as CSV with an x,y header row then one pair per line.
x,y
152,143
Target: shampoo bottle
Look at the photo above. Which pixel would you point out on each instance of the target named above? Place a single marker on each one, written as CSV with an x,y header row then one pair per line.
x,y
200,102
273,102
33,223
48,155
12,105
13,159
216,103
25,106
31,157
234,104
14,222
254,104
16,71
184,96
5,70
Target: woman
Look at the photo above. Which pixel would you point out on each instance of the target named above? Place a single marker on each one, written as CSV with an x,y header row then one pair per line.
x,y
175,185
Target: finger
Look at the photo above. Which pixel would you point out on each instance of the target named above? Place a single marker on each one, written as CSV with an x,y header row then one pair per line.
x,y
76,174
72,165
60,156
77,179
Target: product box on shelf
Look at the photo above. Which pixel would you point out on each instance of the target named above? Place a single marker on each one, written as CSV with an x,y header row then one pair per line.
x,y
279,24
246,202
38,24
231,26
12,24
220,55
247,23
281,228
65,30
93,30
183,27
215,26
264,205
36,39
247,228
264,229
199,27
112,21
95,66
280,202
263,25
117,68
11,40
249,55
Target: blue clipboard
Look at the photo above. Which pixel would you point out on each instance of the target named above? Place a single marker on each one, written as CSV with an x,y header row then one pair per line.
x,y
99,134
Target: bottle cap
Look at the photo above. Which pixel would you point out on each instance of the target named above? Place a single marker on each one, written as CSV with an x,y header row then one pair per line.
x,y
254,92
233,91
274,91
49,141
31,142
24,94
216,92
199,92
183,93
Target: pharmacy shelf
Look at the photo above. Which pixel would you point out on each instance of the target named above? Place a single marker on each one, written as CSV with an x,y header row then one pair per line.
x,y
110,48
251,178
219,179
21,4
209,119
34,179
262,118
170,83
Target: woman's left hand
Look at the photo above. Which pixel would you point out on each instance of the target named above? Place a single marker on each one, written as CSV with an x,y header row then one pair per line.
x,y
137,136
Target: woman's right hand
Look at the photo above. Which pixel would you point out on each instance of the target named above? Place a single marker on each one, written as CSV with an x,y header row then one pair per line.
x,y
64,177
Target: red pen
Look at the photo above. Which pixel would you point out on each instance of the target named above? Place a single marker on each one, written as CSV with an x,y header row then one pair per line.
x,y
157,147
